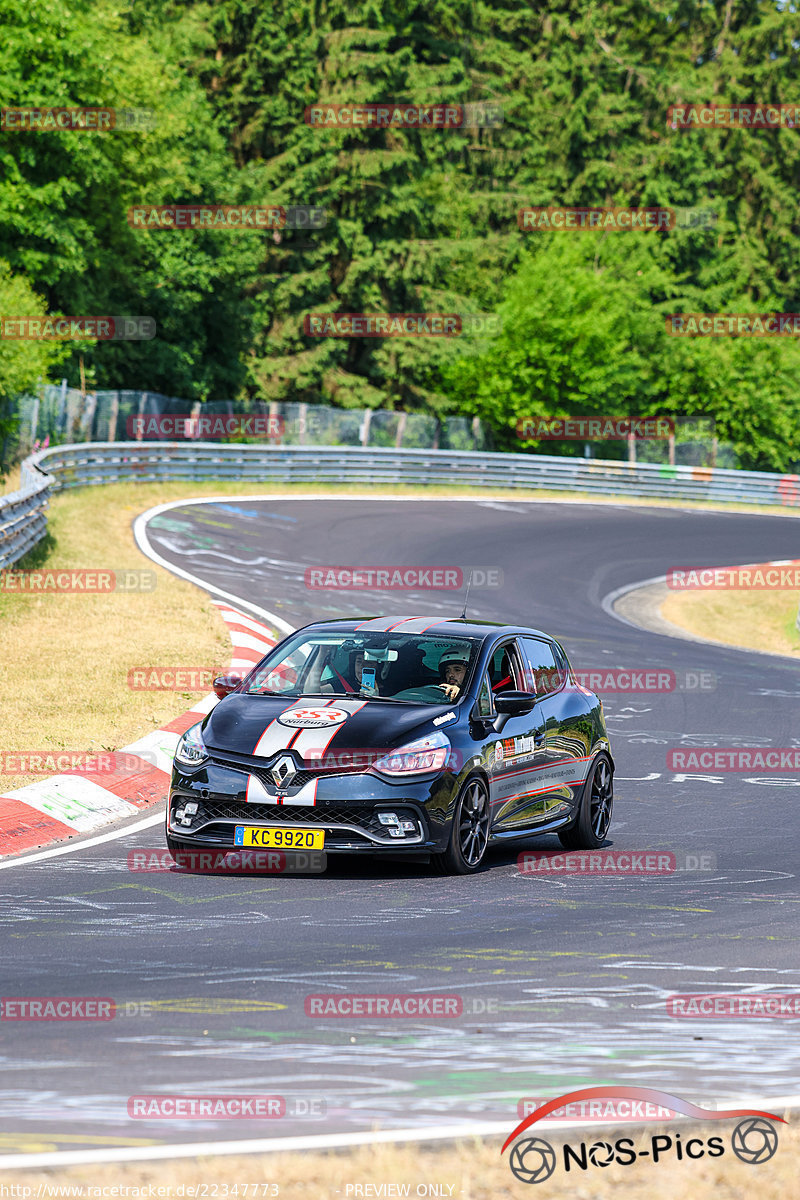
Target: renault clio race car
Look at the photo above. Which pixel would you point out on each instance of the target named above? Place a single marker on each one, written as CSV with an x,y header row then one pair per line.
x,y
402,736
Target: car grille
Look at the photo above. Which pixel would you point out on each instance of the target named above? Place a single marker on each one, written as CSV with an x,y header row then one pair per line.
x,y
299,780
361,816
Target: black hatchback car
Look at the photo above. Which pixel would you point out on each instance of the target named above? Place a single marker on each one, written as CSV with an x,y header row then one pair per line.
x,y
401,736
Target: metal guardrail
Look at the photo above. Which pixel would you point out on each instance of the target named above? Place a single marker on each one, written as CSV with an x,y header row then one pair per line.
x,y
23,519
23,523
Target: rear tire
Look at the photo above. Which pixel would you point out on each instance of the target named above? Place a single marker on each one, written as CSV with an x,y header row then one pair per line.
x,y
469,833
594,815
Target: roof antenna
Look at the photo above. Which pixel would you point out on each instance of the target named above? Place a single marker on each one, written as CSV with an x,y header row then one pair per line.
x,y
466,598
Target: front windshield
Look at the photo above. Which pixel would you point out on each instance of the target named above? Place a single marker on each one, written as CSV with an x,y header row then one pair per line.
x,y
413,668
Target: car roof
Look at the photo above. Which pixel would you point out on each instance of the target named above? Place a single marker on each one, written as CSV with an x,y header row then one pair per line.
x,y
435,626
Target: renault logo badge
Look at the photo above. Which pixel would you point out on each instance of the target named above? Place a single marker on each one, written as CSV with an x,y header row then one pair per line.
x,y
283,771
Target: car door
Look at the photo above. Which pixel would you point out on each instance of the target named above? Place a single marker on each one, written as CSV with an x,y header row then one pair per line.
x,y
510,753
530,766
561,766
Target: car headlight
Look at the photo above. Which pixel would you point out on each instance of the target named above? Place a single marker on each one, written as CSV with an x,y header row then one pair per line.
x,y
191,750
429,753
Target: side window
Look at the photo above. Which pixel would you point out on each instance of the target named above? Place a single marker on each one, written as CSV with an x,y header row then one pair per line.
x,y
485,705
504,669
542,673
562,662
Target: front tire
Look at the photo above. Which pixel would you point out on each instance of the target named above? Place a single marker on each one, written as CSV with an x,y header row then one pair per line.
x,y
594,816
469,834
174,848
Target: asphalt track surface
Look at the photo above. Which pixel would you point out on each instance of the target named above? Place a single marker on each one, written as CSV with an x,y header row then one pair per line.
x,y
563,978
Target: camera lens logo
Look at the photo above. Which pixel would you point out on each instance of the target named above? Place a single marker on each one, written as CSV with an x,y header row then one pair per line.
x,y
601,1154
754,1140
533,1160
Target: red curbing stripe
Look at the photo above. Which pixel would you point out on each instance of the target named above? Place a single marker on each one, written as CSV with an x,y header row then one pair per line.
x,y
25,828
141,787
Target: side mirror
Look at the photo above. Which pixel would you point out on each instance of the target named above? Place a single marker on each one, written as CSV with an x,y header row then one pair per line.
x,y
514,704
225,684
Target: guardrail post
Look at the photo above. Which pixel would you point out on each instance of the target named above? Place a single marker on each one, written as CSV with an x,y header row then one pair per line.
x,y
61,414
140,424
113,414
34,418
401,428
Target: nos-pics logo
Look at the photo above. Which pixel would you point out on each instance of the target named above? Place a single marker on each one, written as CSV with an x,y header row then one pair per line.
x,y
533,1160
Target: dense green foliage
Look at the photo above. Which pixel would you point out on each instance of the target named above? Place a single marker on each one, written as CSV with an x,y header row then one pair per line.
x,y
418,220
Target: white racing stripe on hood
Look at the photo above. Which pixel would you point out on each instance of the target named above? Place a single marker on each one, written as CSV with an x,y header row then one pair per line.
x,y
311,744
276,736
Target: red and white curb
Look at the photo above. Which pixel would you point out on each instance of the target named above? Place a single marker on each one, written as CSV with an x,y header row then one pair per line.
x,y
58,808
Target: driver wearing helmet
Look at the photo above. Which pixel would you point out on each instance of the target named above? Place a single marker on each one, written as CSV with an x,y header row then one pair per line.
x,y
453,667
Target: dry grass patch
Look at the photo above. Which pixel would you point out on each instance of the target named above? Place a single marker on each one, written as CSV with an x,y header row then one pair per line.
x,y
471,1169
67,657
757,620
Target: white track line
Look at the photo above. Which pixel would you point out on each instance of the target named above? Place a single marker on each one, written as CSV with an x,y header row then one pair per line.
x,y
143,542
82,844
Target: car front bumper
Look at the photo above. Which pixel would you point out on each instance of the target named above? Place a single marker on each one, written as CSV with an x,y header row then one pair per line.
x,y
347,807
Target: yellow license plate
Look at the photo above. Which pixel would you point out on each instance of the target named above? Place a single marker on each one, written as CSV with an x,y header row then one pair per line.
x,y
281,837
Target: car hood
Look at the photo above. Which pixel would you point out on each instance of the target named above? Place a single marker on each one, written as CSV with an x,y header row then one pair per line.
x,y
314,729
